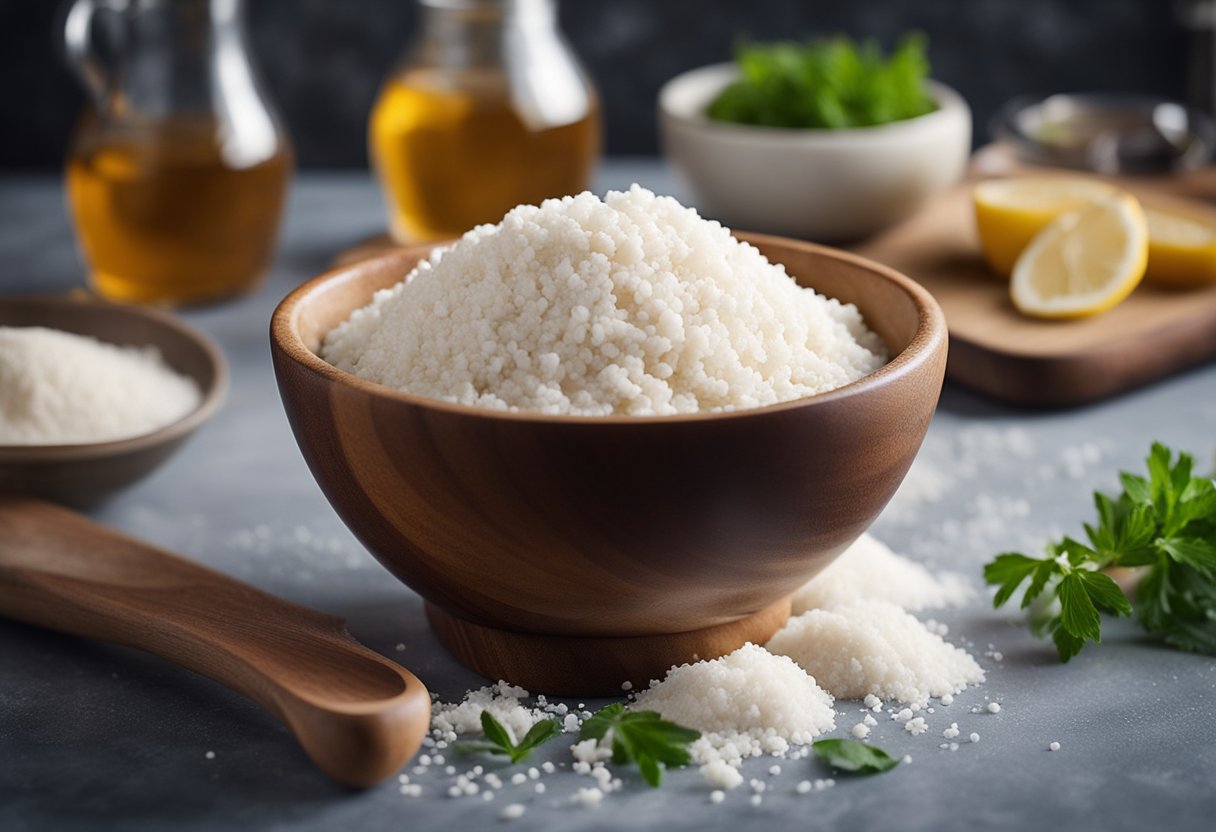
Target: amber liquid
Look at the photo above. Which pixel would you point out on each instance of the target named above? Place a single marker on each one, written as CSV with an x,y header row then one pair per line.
x,y
449,160
163,218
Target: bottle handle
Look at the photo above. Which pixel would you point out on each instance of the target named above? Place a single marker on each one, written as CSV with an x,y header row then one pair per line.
x,y
78,45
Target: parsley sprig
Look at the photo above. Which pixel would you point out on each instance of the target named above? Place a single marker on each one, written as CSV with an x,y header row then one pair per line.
x,y
498,739
833,83
641,737
853,756
1164,524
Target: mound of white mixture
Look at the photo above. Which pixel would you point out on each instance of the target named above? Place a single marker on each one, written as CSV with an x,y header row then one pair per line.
x,y
630,305
61,388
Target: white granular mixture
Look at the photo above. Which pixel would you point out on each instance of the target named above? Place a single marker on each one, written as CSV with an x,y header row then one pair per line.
x,y
870,569
874,647
59,388
746,703
502,700
632,305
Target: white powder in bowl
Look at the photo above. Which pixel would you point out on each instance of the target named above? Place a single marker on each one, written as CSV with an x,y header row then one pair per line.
x,y
60,388
746,703
874,647
632,305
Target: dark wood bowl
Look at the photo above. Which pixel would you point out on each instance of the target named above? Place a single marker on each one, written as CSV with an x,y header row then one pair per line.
x,y
571,554
83,475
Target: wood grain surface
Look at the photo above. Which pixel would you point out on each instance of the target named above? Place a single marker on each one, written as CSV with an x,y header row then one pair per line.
x,y
612,528
1007,355
359,716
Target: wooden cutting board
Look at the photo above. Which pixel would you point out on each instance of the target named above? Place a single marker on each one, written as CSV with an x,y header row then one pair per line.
x,y
998,351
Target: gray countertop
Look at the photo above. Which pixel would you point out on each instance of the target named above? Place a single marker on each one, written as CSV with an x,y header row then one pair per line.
x,y
99,737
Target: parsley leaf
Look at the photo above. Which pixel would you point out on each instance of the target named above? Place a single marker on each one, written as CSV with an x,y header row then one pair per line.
x,y
835,83
498,739
641,737
850,755
1164,523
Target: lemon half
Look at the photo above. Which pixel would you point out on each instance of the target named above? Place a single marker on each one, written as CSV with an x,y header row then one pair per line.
x,y
1009,213
1181,248
1084,262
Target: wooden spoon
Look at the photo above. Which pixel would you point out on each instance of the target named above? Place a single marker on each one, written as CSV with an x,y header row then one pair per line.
x,y
359,716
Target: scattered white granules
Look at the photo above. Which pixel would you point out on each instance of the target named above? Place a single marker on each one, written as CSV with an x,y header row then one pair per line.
x,y
745,704
717,796
501,699
869,569
59,388
588,798
874,647
861,731
631,305
512,811
994,708
974,737
721,774
916,726
1055,746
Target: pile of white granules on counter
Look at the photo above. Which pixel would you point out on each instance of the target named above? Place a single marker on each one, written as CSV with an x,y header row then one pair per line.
x,y
59,388
851,637
632,305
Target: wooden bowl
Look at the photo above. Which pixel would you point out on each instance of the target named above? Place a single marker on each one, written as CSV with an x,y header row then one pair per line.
x,y
572,554
83,475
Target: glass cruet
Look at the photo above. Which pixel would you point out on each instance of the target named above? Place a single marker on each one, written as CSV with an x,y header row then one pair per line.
x,y
488,108
178,168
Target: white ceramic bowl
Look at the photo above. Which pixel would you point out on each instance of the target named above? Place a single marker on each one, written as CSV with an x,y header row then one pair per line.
x,y
817,184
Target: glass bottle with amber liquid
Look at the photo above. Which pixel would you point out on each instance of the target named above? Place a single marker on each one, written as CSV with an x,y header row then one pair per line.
x,y
178,169
488,109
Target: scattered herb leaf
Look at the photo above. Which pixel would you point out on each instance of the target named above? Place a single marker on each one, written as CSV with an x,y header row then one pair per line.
x,y
641,737
857,757
1166,524
498,740
835,83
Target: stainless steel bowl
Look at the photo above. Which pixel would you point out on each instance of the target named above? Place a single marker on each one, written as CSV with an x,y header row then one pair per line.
x,y
1108,133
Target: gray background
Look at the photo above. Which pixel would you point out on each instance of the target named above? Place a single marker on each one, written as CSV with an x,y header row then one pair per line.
x,y
323,59
94,737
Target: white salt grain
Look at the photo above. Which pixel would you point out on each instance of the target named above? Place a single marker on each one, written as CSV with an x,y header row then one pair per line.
x,y
1055,746
994,708
502,700
719,773
746,703
874,647
512,811
869,569
630,305
588,798
60,388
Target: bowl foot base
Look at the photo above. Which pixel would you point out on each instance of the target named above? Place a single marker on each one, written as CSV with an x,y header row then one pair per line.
x,y
590,666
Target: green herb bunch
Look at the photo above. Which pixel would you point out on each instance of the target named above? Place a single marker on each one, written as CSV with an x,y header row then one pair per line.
x,y
498,739
1165,525
641,737
835,83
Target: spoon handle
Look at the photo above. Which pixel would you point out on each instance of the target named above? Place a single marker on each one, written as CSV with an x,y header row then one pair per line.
x,y
359,716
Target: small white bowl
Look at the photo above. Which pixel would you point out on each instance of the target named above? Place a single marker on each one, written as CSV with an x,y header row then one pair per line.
x,y
818,184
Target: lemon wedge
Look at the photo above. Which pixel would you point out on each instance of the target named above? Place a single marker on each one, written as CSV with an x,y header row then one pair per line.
x,y
1009,213
1181,248
1084,262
